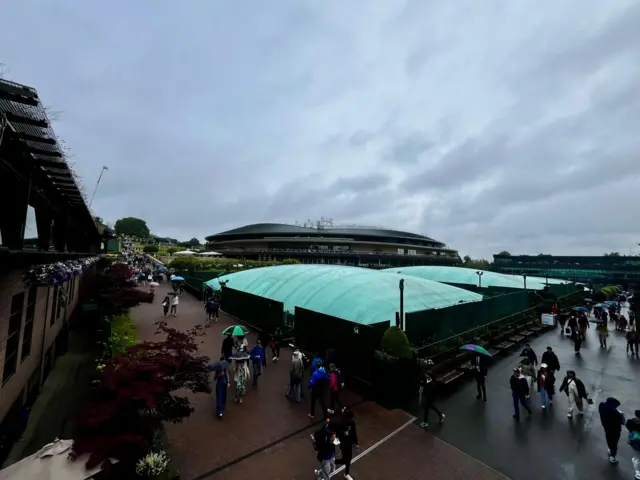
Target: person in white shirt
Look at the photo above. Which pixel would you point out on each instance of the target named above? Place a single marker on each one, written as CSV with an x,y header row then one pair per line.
x,y
174,305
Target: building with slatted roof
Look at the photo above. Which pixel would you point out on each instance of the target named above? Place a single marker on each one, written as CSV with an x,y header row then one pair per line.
x,y
36,180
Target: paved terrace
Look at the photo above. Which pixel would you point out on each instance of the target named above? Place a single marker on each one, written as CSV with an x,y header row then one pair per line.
x,y
268,436
548,445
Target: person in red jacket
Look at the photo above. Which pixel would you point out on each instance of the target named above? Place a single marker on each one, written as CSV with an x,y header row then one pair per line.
x,y
335,388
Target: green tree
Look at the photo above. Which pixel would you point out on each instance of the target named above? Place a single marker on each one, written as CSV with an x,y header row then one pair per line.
x,y
612,254
504,253
476,263
132,227
194,242
172,250
151,249
395,342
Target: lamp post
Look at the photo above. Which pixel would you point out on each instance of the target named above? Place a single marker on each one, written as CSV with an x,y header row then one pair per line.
x,y
401,287
479,273
524,275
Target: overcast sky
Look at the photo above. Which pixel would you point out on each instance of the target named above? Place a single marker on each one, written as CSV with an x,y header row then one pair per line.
x,y
489,125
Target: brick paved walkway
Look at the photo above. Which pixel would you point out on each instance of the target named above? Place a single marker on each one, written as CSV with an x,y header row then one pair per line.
x,y
268,436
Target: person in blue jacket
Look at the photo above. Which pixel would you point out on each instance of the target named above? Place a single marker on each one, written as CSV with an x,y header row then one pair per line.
x,y
257,359
317,361
318,386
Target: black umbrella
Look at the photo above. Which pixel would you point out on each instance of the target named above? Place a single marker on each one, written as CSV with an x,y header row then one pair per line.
x,y
218,366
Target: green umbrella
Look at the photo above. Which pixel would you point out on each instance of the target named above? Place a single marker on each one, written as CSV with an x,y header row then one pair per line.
x,y
475,348
235,330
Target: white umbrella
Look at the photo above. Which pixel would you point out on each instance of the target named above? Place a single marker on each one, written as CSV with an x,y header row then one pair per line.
x,y
51,462
154,284
210,253
185,252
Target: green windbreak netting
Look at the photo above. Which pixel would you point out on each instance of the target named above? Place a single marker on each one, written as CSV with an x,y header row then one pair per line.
x,y
467,276
357,294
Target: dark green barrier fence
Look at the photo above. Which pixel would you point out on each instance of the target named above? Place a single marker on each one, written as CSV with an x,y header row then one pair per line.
x,y
433,325
354,343
194,281
259,312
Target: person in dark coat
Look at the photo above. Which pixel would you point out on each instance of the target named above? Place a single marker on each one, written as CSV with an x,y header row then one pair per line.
x,y
612,421
348,436
227,347
519,392
429,392
551,359
480,374
528,352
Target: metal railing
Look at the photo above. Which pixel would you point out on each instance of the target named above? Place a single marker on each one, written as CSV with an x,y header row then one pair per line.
x,y
487,328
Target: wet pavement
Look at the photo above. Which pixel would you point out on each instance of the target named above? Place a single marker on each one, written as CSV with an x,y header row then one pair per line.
x,y
268,436
547,445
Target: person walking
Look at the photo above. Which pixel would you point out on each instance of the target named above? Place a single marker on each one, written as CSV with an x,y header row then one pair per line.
x,y
324,443
296,374
276,338
209,308
519,392
529,372
603,333
241,377
543,386
317,384
429,393
348,436
257,357
633,426
633,338
551,359
221,378
227,347
480,373
336,382
575,391
529,354
166,303
577,338
612,421
174,305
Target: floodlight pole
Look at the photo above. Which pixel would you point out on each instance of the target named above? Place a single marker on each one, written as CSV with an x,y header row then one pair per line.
x,y
479,273
524,275
97,184
401,286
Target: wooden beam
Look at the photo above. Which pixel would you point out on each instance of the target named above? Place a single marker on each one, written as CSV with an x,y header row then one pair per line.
x,y
13,118
12,97
35,138
45,153
45,162
16,89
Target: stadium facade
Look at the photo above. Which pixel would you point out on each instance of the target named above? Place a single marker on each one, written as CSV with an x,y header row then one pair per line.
x,y
322,242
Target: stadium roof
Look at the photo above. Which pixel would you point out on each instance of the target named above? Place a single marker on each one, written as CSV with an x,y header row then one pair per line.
x,y
543,280
297,230
468,276
27,125
356,294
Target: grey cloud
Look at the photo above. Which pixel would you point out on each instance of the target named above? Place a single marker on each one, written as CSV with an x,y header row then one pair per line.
x,y
515,130
409,149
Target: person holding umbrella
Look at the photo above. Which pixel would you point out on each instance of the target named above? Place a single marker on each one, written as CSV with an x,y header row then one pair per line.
x,y
227,346
242,374
479,368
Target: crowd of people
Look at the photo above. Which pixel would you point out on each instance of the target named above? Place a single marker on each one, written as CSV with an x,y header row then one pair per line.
x,y
537,377
246,363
